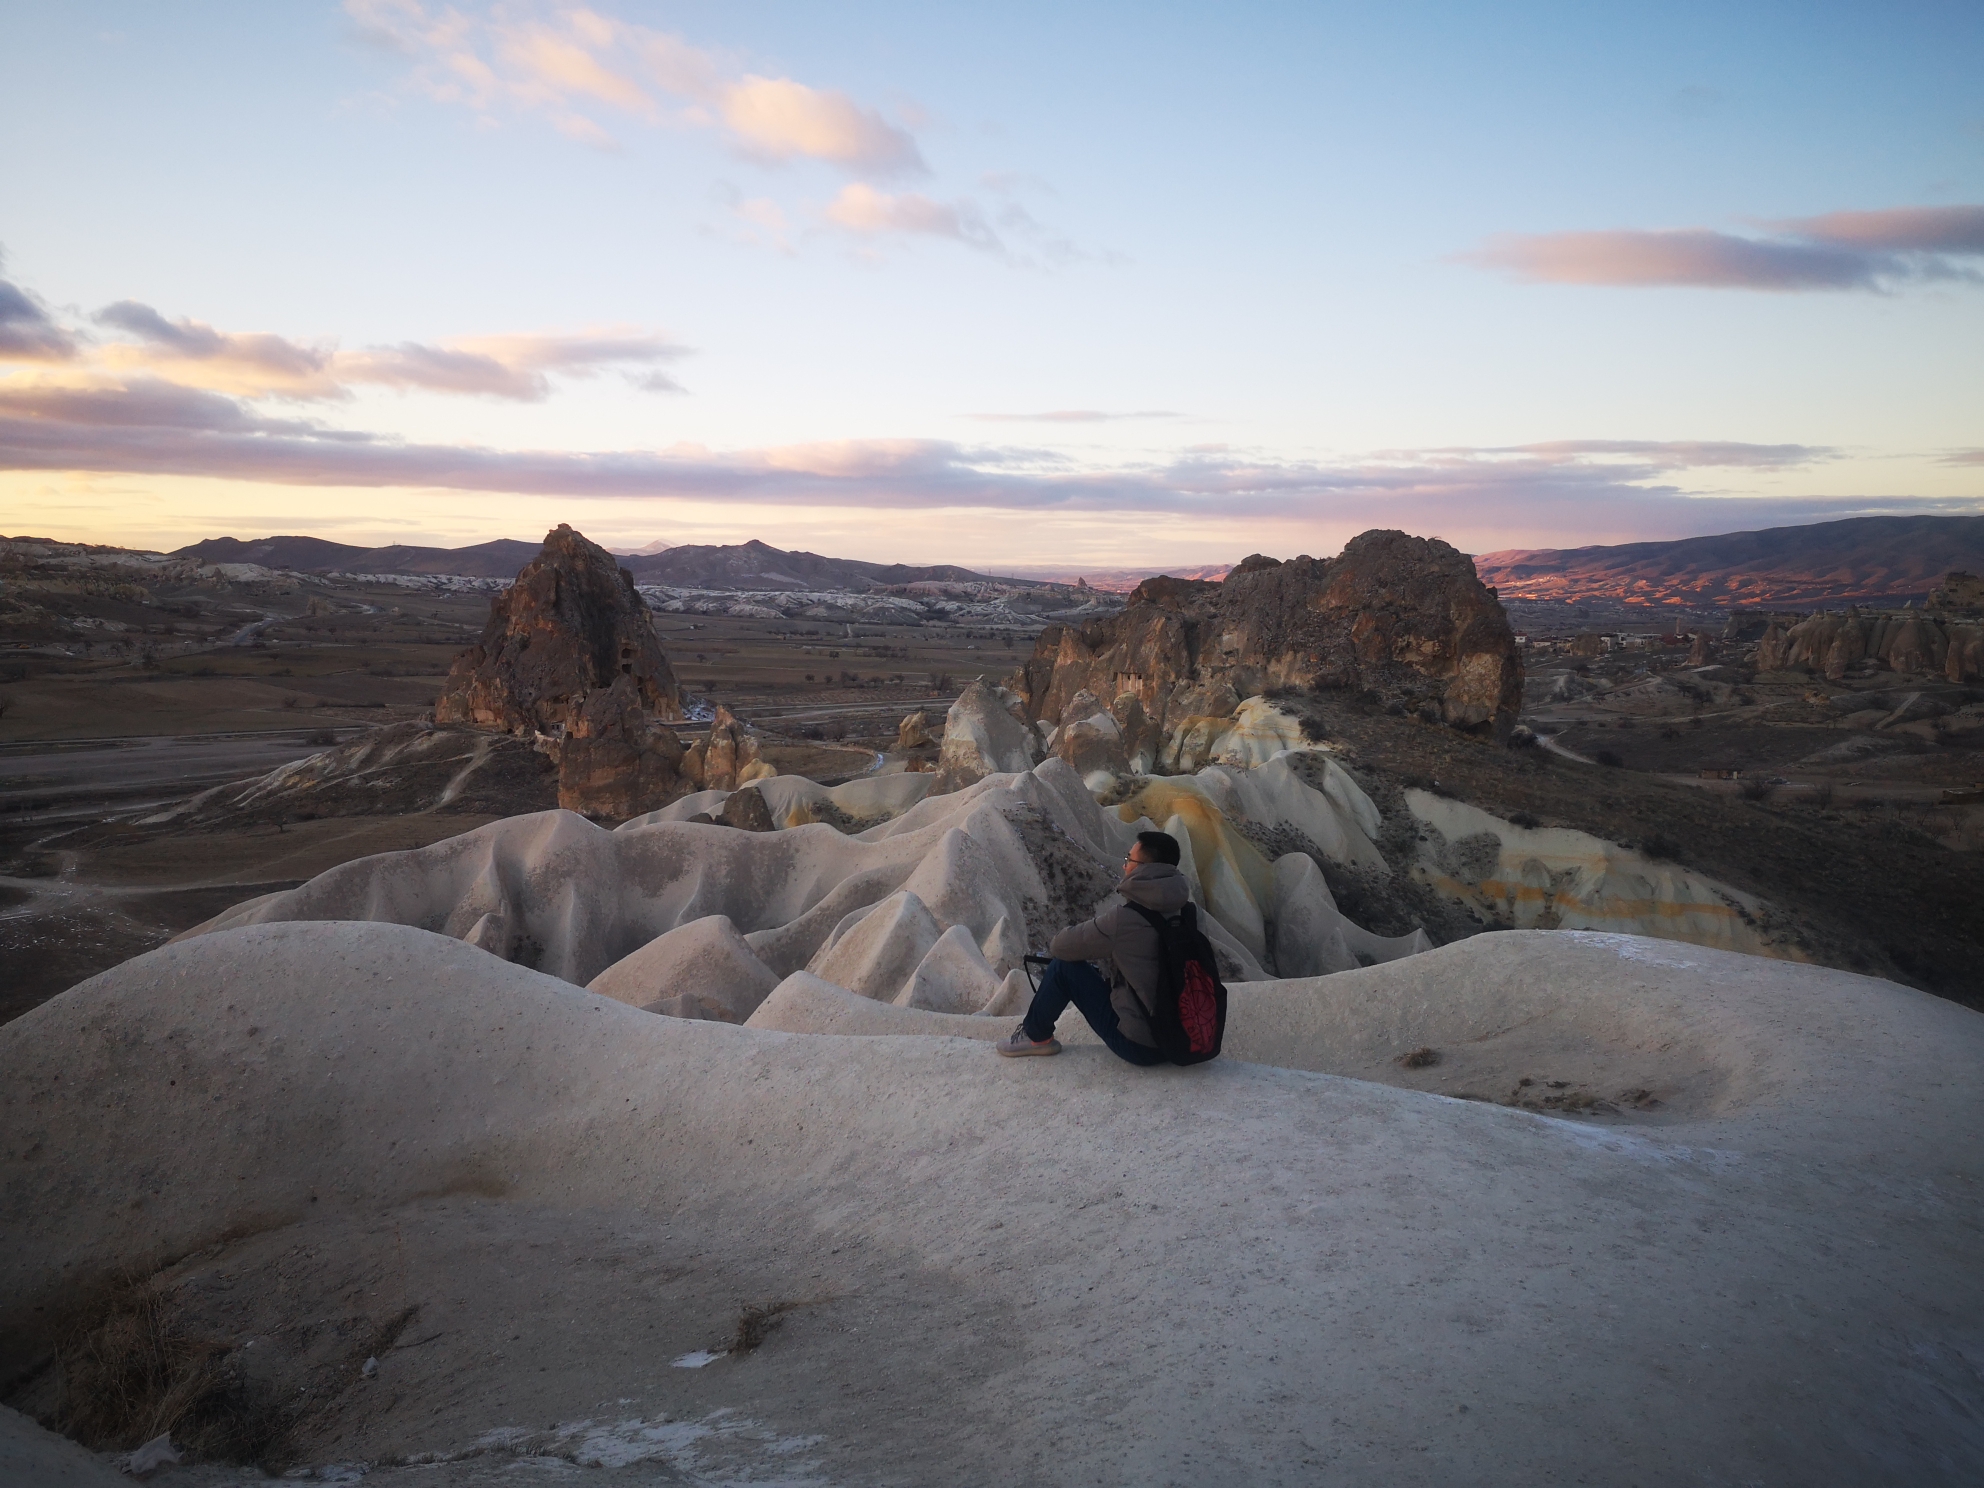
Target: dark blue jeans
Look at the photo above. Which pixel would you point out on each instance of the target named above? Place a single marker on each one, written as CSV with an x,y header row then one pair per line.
x,y
1080,983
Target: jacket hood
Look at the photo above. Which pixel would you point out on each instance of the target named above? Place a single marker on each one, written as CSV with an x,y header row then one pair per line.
x,y
1158,886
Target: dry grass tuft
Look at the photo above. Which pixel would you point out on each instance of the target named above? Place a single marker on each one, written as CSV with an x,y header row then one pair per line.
x,y
129,1373
1419,1058
754,1325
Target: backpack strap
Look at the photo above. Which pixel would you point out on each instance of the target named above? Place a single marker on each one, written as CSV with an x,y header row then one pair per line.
x,y
1164,930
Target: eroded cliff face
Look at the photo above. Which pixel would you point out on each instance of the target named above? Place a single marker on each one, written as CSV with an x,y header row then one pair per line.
x,y
571,623
1909,642
1403,616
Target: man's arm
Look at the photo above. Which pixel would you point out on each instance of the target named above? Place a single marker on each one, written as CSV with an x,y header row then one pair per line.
x,y
1087,941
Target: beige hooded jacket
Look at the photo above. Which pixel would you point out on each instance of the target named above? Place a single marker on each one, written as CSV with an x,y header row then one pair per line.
x,y
1126,945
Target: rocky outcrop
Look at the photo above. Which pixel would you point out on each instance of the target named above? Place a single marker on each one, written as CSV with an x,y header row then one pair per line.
x,y
1906,641
1115,739
570,624
1960,595
614,760
1401,616
728,758
985,733
914,732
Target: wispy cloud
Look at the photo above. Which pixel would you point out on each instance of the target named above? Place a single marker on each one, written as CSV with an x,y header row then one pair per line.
x,y
1865,250
576,65
1571,490
1651,456
1072,416
1964,457
869,213
259,364
27,332
779,119
587,73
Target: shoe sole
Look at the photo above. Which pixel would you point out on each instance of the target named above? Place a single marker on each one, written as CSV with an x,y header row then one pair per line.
x,y
1052,1046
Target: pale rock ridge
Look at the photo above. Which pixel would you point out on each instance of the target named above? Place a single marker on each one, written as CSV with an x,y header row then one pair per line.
x,y
702,969
876,949
1005,863
399,769
795,801
1553,877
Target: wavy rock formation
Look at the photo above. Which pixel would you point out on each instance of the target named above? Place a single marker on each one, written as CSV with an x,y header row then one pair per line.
x,y
1739,1195
1402,616
795,801
932,907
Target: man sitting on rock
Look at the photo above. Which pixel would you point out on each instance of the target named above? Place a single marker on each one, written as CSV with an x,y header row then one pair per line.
x,y
1117,1001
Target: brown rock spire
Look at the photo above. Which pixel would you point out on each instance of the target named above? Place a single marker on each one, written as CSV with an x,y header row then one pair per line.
x,y
571,623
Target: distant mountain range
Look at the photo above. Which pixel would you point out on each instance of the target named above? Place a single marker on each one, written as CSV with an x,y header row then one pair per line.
x,y
1884,560
756,565
1119,580
491,560
751,565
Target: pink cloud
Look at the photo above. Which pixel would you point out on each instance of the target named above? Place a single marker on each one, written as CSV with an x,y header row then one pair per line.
x,y
1839,250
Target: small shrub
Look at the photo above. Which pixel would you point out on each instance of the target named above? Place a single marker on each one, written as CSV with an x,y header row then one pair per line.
x,y
1756,789
1419,1058
1821,794
1661,847
1527,820
1609,758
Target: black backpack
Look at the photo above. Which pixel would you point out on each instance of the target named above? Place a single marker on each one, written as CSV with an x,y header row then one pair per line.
x,y
1189,1020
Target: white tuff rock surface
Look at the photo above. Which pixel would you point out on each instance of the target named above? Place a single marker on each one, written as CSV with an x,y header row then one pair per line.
x,y
1272,1271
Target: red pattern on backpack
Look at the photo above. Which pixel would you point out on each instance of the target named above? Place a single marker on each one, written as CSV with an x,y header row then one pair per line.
x,y
1198,1010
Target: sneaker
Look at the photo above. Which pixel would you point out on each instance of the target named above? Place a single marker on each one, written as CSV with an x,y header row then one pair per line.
x,y
1017,1043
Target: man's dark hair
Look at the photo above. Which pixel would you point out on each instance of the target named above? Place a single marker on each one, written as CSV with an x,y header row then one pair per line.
x,y
1159,847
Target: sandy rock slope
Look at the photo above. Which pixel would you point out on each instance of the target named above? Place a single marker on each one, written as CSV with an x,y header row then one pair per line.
x,y
1037,1271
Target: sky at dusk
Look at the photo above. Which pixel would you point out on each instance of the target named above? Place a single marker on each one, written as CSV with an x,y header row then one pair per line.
x,y
1019,285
